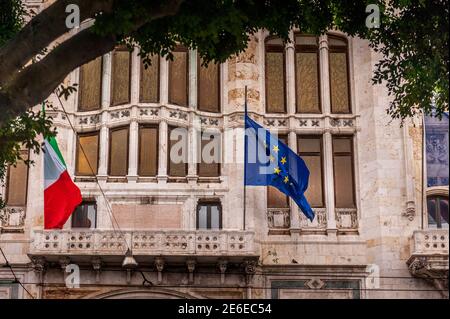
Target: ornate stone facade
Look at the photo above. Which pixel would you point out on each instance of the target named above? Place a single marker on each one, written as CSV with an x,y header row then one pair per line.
x,y
376,249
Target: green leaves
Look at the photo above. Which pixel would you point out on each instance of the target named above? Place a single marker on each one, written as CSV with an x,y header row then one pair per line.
x,y
413,40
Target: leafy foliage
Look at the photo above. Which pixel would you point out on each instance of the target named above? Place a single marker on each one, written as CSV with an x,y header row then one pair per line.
x,y
413,41
12,15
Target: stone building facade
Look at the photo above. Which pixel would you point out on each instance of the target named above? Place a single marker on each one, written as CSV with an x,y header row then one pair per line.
x,y
185,225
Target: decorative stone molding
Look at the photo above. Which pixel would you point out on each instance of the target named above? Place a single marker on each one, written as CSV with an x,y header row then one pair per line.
x,y
346,218
315,283
159,265
222,264
319,223
12,219
97,265
410,211
279,218
190,264
429,258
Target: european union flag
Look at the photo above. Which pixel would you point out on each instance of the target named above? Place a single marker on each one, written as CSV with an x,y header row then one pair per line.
x,y
268,161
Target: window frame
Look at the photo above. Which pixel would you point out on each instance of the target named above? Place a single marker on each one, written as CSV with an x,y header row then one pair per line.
x,y
179,48
299,48
85,202
169,129
352,155
158,89
219,164
147,125
219,83
434,191
111,102
80,79
320,137
78,148
209,203
118,128
275,48
337,49
7,179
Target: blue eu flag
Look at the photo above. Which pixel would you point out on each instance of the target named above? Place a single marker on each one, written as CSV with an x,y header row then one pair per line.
x,y
268,161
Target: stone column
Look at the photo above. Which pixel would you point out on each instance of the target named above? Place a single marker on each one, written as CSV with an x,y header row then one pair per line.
x,y
290,75
106,80
135,75
329,182
193,79
133,152
103,153
324,75
162,162
295,217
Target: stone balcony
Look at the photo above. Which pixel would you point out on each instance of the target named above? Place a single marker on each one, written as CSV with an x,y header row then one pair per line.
x,y
429,257
112,245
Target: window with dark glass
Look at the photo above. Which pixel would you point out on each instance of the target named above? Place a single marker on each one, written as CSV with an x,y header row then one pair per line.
x,y
437,206
339,78
208,87
310,150
85,215
275,198
209,215
177,152
307,88
275,76
209,154
120,85
90,86
87,153
148,150
343,172
17,182
178,77
118,151
149,81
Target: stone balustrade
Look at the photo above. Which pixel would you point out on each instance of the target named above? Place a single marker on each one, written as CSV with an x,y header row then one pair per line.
x,y
149,242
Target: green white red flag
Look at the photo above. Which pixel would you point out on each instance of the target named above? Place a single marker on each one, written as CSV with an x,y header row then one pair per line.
x,y
61,195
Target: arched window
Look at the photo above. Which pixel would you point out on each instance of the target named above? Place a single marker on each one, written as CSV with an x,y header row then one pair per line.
x,y
437,206
307,79
275,75
339,75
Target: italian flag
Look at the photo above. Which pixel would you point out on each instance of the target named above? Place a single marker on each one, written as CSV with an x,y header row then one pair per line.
x,y
61,195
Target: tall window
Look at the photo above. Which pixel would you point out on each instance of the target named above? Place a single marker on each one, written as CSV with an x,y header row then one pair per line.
x,y
118,151
90,86
177,152
339,78
85,215
209,215
275,71
121,66
178,77
307,74
209,153
17,182
148,150
275,198
343,172
437,211
310,150
149,82
87,154
208,87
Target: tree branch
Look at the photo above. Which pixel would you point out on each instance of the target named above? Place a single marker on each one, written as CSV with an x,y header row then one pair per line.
x,y
43,29
36,82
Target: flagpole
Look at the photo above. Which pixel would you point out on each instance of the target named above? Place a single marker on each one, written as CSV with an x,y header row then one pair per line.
x,y
245,160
